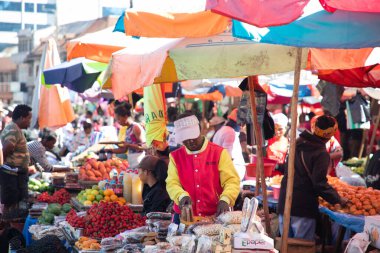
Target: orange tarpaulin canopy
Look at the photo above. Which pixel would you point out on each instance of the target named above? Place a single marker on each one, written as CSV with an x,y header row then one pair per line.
x,y
97,46
200,24
338,58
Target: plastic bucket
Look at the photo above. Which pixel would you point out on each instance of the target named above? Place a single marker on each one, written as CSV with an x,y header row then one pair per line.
x,y
269,166
276,191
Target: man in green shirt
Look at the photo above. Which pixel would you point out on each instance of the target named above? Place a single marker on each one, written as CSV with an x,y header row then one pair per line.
x,y
14,173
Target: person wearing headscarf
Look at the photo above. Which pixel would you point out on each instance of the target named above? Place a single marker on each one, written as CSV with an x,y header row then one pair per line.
x,y
311,163
334,149
277,148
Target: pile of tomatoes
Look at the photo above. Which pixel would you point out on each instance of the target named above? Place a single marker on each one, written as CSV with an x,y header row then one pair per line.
x,y
106,219
61,197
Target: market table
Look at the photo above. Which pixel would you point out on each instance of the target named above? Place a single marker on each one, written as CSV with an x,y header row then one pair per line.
x,y
272,202
345,221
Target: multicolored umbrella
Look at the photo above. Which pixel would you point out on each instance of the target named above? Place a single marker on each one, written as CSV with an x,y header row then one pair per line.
x,y
259,13
78,74
358,77
97,46
51,105
351,5
321,29
171,60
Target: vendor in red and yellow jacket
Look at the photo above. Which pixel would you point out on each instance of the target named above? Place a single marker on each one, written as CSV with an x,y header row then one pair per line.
x,y
200,173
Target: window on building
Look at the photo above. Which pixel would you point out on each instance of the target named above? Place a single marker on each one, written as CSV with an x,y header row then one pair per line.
x,y
108,11
29,27
10,27
29,7
10,6
13,78
42,26
24,44
46,8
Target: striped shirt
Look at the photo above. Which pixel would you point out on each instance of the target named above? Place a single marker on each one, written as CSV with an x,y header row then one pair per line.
x,y
37,152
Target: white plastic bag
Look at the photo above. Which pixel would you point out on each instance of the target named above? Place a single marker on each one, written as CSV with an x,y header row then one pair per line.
x,y
358,243
343,171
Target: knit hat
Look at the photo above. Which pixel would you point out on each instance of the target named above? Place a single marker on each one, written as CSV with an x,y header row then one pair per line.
x,y
319,129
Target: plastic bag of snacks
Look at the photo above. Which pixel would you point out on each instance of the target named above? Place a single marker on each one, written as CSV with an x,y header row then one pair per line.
x,y
231,217
209,229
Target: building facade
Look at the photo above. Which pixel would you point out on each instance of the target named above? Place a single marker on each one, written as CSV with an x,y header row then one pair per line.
x,y
27,23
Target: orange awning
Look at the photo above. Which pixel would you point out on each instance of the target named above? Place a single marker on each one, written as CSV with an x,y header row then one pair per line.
x,y
199,24
97,46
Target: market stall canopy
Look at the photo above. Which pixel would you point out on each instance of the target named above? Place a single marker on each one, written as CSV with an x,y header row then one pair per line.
x,y
174,25
351,5
257,12
78,74
51,105
359,77
215,93
97,46
343,58
171,60
321,29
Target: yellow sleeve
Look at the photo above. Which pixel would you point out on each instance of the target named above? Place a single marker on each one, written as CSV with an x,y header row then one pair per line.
x,y
229,179
173,185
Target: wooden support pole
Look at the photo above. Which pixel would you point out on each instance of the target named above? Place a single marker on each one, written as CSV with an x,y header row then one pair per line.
x,y
292,152
252,80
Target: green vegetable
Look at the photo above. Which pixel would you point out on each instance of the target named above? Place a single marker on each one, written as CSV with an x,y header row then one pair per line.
x,y
54,209
35,181
66,208
49,218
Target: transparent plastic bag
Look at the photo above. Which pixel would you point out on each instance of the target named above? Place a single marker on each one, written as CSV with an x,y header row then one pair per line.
x,y
204,244
231,217
209,230
159,216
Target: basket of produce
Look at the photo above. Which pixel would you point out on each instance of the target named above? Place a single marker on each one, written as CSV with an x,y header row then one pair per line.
x,y
50,214
88,197
39,185
61,196
95,171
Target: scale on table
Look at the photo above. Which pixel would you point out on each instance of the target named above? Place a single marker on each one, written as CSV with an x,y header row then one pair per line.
x,y
252,234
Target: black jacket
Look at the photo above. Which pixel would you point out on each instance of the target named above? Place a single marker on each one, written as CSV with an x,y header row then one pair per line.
x,y
307,189
156,198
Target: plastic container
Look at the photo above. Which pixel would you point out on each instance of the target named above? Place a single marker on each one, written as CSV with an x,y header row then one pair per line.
x,y
269,166
136,190
276,191
127,186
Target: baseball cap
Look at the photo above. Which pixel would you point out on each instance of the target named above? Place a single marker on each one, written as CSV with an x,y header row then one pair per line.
x,y
186,128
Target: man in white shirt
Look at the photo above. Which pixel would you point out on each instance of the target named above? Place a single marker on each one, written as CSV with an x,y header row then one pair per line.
x,y
228,137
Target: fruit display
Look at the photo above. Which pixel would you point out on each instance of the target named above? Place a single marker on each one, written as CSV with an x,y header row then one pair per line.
x,y
47,216
94,170
92,196
85,243
106,219
39,185
61,197
362,201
